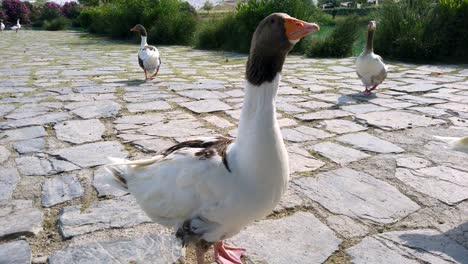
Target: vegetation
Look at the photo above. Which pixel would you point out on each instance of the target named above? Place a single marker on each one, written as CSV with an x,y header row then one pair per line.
x,y
13,10
234,31
167,21
55,24
420,30
339,43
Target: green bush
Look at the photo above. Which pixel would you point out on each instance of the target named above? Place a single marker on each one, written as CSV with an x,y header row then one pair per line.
x,y
234,31
167,21
339,43
421,30
56,24
351,11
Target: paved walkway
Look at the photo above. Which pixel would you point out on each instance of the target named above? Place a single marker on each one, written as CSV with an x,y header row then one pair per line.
x,y
369,182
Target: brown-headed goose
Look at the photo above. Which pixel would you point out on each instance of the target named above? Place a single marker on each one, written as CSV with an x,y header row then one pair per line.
x,y
148,56
369,66
2,26
455,143
17,26
208,189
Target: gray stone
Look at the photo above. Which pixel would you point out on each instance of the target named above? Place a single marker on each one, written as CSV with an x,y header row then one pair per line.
x,y
60,189
206,106
412,162
339,154
346,226
304,133
116,213
363,108
391,103
156,249
92,154
80,131
203,94
218,121
393,120
176,128
415,88
30,165
342,126
289,201
22,134
412,246
153,145
4,154
148,106
30,145
431,111
17,252
314,104
454,107
288,240
365,197
8,179
94,109
365,141
443,183
300,160
21,222
37,120
101,186
324,114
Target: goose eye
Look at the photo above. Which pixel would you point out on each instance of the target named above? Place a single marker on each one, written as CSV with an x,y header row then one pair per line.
x,y
272,20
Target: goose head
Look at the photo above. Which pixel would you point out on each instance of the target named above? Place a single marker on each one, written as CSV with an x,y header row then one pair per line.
x,y
274,37
372,26
140,29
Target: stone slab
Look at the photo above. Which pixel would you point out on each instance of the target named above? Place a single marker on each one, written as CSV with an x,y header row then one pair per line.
x,y
338,154
60,189
16,252
395,120
365,141
206,106
80,131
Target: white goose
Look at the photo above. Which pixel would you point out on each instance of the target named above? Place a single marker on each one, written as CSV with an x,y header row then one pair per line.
x,y
17,26
369,66
210,188
148,56
2,26
456,143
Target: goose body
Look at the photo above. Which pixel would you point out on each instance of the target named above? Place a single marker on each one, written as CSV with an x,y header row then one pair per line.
x,y
148,56
2,26
17,26
208,189
370,67
456,143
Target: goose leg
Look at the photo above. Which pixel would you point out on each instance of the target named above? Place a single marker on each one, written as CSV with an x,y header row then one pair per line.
x,y
373,88
154,75
227,254
146,75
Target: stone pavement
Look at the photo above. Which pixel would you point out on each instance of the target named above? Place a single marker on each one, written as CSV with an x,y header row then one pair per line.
x,y
369,182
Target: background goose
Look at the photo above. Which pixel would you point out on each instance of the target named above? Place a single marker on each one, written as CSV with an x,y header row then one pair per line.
x,y
2,26
369,66
208,189
148,56
17,26
456,143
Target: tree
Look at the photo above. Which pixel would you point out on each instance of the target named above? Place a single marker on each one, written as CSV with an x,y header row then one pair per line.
x,y
15,9
207,6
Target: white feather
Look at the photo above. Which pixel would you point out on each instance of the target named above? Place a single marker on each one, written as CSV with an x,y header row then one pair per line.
x,y
455,143
368,67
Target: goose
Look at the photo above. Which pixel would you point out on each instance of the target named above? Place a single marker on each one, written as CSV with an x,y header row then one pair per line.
x,y
208,189
148,56
2,26
456,143
369,66
17,26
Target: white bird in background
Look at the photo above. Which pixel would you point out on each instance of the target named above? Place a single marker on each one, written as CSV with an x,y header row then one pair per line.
x,y
455,143
148,56
208,189
369,66
2,26
17,26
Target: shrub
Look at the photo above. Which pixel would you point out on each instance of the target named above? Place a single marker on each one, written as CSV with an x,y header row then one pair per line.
x,y
71,10
3,15
50,11
15,9
59,23
234,32
339,43
421,30
167,21
351,11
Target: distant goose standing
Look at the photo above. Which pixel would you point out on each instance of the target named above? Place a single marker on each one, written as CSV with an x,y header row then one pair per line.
x,y
2,26
17,26
369,66
208,189
148,56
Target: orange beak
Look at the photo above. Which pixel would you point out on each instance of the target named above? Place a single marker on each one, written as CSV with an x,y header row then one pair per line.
x,y
133,29
297,29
